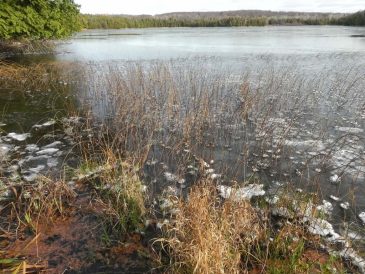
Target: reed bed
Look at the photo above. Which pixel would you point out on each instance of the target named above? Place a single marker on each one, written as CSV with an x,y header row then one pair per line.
x,y
186,104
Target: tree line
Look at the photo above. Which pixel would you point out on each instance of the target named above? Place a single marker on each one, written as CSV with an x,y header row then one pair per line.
x,y
118,22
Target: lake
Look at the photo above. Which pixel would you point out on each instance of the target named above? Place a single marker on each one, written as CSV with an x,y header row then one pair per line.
x,y
235,42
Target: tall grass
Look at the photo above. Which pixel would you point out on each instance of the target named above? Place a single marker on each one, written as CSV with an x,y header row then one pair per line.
x,y
184,103
210,238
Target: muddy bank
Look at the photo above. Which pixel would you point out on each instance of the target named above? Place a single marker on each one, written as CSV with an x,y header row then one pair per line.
x,y
75,241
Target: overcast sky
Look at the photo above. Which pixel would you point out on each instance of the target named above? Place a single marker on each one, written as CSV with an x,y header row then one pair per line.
x,y
163,6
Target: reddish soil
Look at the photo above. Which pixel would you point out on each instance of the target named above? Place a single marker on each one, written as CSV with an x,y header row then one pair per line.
x,y
73,244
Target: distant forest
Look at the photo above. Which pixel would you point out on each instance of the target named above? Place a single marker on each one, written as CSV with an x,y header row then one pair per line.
x,y
221,19
356,19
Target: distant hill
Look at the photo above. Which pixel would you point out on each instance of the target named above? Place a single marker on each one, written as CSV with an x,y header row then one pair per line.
x,y
245,13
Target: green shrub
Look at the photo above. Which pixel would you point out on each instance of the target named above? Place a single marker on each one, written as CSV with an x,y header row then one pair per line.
x,y
38,19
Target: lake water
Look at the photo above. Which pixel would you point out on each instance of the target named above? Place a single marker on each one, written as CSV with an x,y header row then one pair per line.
x,y
236,42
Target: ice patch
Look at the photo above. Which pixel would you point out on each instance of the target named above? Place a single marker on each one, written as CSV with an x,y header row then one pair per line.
x,y
362,217
320,227
47,151
335,178
18,137
30,177
32,148
46,124
209,171
172,178
326,207
243,193
52,162
305,143
215,176
32,161
334,198
53,145
345,205
37,169
276,121
272,200
352,130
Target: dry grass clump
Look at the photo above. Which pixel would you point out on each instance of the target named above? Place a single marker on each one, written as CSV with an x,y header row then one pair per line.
x,y
38,77
209,236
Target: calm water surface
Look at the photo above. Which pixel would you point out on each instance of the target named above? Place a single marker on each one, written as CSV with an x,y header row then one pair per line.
x,y
236,42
